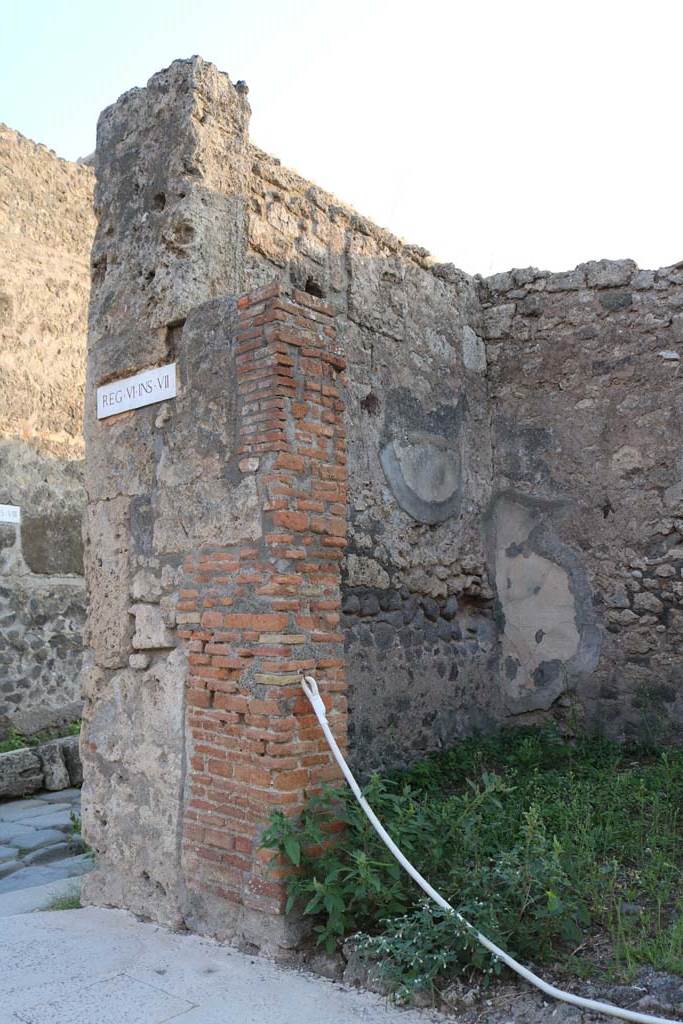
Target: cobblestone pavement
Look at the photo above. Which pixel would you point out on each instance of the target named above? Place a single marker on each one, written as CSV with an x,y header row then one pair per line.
x,y
38,844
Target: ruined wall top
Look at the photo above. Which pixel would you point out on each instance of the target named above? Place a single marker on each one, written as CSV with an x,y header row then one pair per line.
x,y
46,230
193,114
44,198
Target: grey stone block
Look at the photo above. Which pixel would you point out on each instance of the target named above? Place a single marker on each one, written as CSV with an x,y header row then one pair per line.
x,y
71,795
30,841
60,820
10,829
72,759
19,810
15,836
40,874
46,854
54,769
21,773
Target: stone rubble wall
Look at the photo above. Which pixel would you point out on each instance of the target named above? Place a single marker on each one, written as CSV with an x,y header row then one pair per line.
x,y
433,490
419,464
220,217
46,230
586,522
448,456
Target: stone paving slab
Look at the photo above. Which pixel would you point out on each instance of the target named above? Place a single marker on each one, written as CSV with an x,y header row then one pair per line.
x,y
96,966
37,842
39,874
9,829
62,795
33,840
23,834
56,851
24,810
37,897
13,810
53,819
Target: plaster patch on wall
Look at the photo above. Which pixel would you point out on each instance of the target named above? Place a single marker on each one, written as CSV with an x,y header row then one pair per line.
x,y
421,455
423,472
548,633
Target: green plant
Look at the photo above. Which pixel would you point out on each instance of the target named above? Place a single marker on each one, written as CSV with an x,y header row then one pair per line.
x,y
346,878
70,901
415,951
14,741
540,842
75,823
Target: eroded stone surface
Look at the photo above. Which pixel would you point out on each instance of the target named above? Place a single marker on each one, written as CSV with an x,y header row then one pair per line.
x,y
587,419
20,774
55,765
107,558
55,771
46,229
130,806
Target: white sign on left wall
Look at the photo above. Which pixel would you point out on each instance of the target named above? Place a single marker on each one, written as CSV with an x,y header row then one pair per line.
x,y
144,388
10,514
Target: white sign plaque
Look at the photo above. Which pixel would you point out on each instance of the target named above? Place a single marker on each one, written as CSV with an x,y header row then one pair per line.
x,y
144,388
10,514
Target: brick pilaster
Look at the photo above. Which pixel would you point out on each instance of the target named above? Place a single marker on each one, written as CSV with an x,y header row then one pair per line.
x,y
255,616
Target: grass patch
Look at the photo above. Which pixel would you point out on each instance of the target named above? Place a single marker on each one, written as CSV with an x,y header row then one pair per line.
x,y
70,901
561,852
16,740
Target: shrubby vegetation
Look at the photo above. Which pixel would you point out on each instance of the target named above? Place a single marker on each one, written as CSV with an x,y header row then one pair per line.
x,y
560,852
16,740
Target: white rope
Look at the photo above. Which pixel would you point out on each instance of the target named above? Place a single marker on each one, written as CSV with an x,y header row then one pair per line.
x,y
310,688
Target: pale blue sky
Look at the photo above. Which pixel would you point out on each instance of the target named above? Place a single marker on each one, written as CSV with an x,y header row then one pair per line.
x,y
494,133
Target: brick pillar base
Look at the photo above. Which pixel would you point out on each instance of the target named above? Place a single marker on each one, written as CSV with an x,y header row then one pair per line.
x,y
254,617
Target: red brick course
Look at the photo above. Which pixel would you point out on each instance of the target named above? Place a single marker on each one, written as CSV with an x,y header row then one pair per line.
x,y
254,617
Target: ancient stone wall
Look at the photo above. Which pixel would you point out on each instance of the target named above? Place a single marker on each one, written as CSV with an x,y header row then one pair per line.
x,y
215,527
457,499
187,522
46,229
418,627
586,524
226,217
218,588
